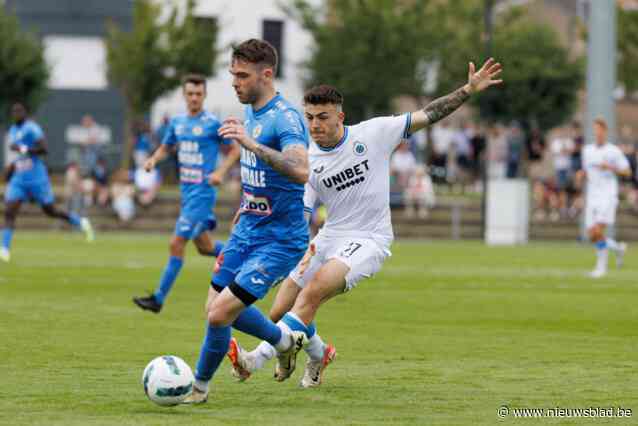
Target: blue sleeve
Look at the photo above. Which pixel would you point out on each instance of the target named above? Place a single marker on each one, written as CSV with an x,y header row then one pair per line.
x,y
290,129
36,132
169,134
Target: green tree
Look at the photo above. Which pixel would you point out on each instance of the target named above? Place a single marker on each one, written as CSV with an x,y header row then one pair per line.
x,y
150,60
23,70
541,81
628,49
372,50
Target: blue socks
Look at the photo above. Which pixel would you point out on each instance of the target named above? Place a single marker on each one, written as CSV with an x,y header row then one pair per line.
x,y
252,321
601,245
295,324
168,278
213,351
7,235
74,220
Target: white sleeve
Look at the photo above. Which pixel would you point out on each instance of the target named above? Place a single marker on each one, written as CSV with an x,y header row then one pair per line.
x,y
309,199
621,161
389,131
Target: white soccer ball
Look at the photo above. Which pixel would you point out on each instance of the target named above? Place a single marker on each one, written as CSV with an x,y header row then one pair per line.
x,y
167,380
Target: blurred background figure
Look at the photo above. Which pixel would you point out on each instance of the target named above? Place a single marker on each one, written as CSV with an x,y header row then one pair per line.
x,y
147,185
497,153
73,189
515,143
402,165
122,196
561,148
143,144
419,194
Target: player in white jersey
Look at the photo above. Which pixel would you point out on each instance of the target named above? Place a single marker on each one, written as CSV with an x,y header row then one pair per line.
x,y
350,175
603,163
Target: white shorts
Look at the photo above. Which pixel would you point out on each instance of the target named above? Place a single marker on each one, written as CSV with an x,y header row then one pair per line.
x,y
364,257
600,211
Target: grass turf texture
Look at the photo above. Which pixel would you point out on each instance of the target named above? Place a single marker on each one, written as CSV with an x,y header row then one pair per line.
x,y
445,334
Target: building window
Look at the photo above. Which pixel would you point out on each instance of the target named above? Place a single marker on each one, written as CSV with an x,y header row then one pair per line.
x,y
273,33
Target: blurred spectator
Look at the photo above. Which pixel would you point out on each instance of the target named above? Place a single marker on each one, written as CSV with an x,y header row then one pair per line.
x,y
142,146
402,164
73,189
630,184
478,142
170,167
463,157
442,140
122,193
535,153
147,185
561,148
577,201
90,145
101,178
497,153
515,145
419,194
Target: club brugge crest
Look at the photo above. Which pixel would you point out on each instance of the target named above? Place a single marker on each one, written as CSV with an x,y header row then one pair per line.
x,y
360,148
197,130
257,131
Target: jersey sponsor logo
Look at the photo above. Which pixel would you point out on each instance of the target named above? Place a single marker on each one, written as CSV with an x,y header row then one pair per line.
x,y
24,164
189,154
360,148
190,175
250,176
197,130
348,177
318,169
257,131
255,205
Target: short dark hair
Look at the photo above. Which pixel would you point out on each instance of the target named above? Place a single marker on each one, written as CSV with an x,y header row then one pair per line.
x,y
196,79
323,94
258,52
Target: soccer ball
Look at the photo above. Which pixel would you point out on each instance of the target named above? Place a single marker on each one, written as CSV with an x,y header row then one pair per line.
x,y
167,380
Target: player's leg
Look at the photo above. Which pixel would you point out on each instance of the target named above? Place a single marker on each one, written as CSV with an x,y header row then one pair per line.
x,y
155,301
206,247
244,363
10,214
617,247
42,193
597,237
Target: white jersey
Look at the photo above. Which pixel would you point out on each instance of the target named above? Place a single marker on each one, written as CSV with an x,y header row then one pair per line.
x,y
353,179
603,184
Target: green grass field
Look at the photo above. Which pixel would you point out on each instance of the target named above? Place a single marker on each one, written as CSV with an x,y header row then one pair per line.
x,y
446,334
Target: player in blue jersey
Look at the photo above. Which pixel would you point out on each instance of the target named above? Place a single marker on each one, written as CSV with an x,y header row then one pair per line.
x,y
195,135
271,235
29,179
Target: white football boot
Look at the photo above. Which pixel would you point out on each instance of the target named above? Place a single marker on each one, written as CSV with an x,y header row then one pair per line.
x,y
287,361
620,254
196,397
314,369
5,255
85,225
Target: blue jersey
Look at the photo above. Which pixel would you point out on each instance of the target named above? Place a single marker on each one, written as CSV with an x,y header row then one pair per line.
x,y
28,167
272,205
197,148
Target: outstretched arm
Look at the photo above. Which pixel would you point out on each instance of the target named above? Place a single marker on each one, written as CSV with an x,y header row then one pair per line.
x,y
446,105
39,148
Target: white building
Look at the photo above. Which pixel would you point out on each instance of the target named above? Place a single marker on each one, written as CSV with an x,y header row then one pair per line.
x,y
239,20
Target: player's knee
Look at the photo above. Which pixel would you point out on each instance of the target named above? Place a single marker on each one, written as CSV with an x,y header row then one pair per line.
x,y
177,247
217,318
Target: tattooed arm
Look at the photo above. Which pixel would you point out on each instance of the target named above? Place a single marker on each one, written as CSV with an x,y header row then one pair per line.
x,y
446,105
291,162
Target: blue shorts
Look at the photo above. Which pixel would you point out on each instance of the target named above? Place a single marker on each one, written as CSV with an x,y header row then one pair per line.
x,y
190,226
40,192
256,267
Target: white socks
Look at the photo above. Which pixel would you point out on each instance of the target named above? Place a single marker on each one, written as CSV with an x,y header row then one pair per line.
x,y
201,385
601,259
285,341
315,348
265,351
